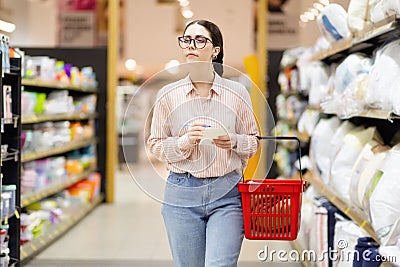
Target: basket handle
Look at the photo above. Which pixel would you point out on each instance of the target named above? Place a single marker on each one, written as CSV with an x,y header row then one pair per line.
x,y
288,138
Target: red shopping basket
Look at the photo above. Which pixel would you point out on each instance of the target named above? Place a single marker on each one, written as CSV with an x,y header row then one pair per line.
x,y
272,207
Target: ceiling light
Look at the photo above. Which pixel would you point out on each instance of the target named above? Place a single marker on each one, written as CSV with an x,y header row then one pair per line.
x,y
187,13
309,15
303,18
7,26
130,64
314,11
318,6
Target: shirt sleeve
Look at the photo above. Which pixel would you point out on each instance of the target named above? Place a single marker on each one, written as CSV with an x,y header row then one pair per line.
x,y
162,144
246,128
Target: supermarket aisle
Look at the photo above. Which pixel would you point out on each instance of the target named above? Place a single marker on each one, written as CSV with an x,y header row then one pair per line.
x,y
129,232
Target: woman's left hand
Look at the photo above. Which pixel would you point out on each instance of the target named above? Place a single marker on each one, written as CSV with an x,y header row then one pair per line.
x,y
227,142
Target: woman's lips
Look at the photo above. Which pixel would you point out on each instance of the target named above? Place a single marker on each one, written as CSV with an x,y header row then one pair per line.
x,y
191,55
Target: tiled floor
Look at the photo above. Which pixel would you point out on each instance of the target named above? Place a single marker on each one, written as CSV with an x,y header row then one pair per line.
x,y
129,232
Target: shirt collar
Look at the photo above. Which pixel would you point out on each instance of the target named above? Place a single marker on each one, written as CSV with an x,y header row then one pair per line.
x,y
216,86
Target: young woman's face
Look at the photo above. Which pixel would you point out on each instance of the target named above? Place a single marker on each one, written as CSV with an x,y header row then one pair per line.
x,y
192,53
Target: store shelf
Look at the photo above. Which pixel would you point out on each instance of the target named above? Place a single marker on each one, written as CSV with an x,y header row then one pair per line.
x,y
352,212
58,117
32,197
336,52
8,121
378,114
34,247
370,37
59,150
12,154
57,85
367,113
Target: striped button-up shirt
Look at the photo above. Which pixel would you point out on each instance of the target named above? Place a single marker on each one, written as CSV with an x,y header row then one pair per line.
x,y
228,106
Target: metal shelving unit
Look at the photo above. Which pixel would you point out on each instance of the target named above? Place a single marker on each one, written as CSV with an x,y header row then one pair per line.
x,y
58,117
59,150
366,41
97,59
57,86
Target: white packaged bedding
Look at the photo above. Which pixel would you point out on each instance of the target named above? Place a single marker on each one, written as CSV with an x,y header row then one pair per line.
x,y
342,164
368,162
320,145
384,192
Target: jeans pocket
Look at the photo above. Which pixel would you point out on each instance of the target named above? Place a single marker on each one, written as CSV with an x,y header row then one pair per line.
x,y
176,178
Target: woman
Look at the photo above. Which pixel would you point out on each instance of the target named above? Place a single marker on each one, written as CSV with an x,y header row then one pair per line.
x,y
204,127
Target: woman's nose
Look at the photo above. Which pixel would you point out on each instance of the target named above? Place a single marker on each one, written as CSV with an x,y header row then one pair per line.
x,y
192,45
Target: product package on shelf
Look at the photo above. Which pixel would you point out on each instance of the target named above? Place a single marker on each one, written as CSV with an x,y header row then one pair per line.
x,y
346,236
321,240
5,52
39,174
307,122
382,91
314,79
343,162
307,217
48,69
382,9
382,197
333,23
320,145
350,81
86,190
366,165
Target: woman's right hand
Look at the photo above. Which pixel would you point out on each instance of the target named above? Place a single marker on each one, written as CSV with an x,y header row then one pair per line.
x,y
195,132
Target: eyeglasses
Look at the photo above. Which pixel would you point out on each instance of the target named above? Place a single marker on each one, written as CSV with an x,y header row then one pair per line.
x,y
199,41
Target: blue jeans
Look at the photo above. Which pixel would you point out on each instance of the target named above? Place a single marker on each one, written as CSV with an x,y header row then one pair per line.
x,y
204,221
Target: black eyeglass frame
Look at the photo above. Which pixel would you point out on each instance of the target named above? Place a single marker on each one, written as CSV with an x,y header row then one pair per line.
x,y
194,41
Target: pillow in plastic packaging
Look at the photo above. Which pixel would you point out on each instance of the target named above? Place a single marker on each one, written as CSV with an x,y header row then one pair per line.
x,y
368,162
320,145
349,69
384,78
384,9
384,200
332,22
283,82
319,76
359,14
338,137
307,121
345,159
350,232
290,56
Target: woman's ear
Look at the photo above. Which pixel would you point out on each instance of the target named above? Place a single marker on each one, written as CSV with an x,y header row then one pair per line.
x,y
216,51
